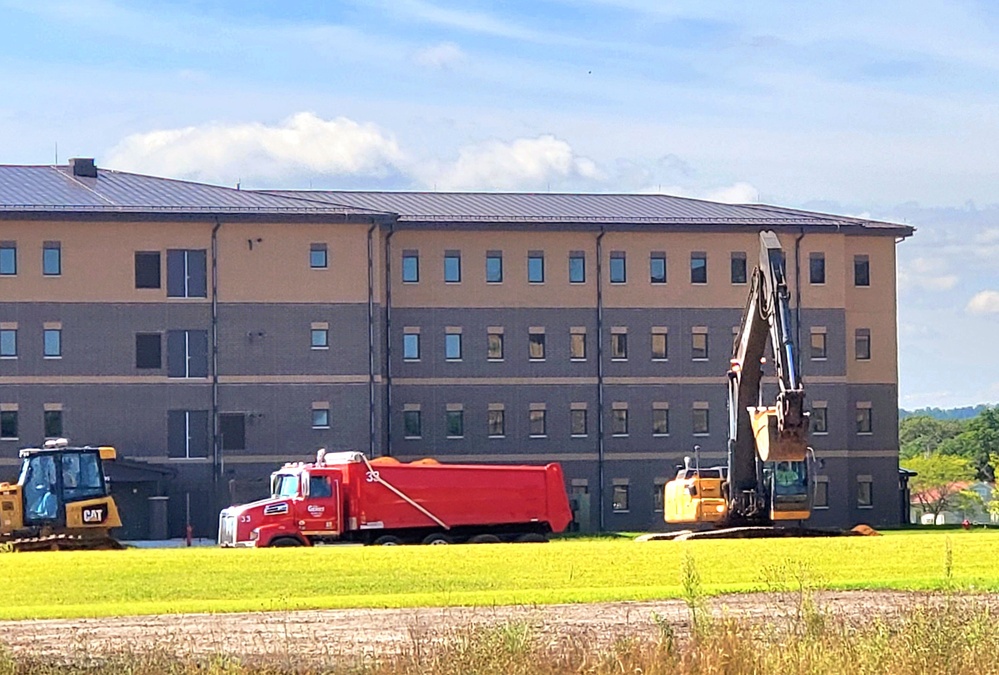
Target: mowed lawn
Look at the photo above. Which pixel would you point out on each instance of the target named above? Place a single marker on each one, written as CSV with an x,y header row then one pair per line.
x,y
106,583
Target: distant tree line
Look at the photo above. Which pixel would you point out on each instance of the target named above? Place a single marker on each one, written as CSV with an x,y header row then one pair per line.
x,y
944,413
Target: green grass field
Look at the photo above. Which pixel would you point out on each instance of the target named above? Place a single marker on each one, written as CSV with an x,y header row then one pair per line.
x,y
106,583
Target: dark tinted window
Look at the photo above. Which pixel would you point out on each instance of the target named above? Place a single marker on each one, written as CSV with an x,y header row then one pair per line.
x,y
147,269
232,428
148,350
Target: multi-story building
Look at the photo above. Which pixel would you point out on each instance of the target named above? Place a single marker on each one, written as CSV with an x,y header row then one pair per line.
x,y
212,333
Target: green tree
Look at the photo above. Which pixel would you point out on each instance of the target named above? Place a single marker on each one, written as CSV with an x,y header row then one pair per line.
x,y
940,485
922,434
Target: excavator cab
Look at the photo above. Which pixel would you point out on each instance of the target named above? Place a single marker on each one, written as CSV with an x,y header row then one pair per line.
x,y
61,499
788,485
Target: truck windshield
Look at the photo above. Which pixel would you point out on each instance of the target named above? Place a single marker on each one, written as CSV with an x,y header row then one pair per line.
x,y
286,485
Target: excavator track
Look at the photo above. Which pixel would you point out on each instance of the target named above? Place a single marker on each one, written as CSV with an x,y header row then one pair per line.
x,y
60,542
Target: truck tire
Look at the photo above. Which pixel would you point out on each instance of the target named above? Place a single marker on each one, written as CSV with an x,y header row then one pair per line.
x,y
282,542
484,539
436,539
387,540
532,538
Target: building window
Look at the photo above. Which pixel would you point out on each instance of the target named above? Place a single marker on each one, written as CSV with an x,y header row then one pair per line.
x,y
660,345
452,346
452,267
53,424
494,267
536,346
412,423
618,268
818,344
865,419
411,346
577,422
701,421
816,268
820,496
52,259
319,257
862,344
455,422
148,350
861,270
410,267
187,353
232,431
188,435
657,268
659,495
619,345
494,345
738,267
619,421
536,267
865,492
577,268
186,273
699,345
320,417
619,499
8,258
147,269
820,418
660,421
52,339
539,422
577,346
8,424
8,343
496,422
698,268
320,338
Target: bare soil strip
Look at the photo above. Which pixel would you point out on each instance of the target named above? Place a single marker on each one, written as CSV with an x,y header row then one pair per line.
x,y
380,632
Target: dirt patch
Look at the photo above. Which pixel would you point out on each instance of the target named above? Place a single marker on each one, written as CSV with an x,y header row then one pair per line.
x,y
391,631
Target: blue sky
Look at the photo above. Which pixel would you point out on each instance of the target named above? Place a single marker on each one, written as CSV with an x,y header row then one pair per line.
x,y
887,109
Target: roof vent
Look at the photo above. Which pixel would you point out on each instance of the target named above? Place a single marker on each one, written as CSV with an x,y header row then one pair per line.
x,y
83,166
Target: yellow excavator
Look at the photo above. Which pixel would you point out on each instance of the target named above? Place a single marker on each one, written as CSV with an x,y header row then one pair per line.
x,y
766,478
60,500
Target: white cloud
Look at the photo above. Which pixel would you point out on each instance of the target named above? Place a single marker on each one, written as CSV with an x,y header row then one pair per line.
x,y
303,143
925,274
441,56
738,193
525,163
984,302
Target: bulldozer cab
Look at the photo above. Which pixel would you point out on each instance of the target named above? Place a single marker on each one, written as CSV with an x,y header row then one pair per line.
x,y
53,477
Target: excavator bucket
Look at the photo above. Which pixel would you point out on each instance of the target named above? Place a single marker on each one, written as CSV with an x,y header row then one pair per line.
x,y
774,444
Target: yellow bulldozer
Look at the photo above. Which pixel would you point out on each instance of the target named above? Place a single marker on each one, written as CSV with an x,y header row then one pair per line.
x,y
60,500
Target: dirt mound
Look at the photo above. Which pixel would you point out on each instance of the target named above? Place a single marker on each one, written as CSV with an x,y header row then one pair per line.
x,y
865,530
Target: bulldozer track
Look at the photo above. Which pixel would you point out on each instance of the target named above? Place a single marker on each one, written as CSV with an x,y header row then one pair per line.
x,y
60,542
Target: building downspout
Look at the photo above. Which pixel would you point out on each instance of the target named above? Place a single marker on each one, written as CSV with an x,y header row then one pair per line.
x,y
371,342
388,340
217,465
600,379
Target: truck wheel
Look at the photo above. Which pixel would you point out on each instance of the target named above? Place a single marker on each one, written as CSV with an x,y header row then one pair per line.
x,y
282,542
387,540
436,539
532,538
484,539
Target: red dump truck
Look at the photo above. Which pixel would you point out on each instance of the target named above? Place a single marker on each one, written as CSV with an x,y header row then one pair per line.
x,y
345,497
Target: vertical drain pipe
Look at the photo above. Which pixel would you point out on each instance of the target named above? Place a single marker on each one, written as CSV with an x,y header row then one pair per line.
x,y
371,342
388,339
600,378
217,466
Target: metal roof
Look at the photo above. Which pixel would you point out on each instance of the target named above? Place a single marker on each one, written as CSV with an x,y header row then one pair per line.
x,y
580,208
56,189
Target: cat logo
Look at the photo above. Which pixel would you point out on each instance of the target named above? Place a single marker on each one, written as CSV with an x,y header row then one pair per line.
x,y
95,515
